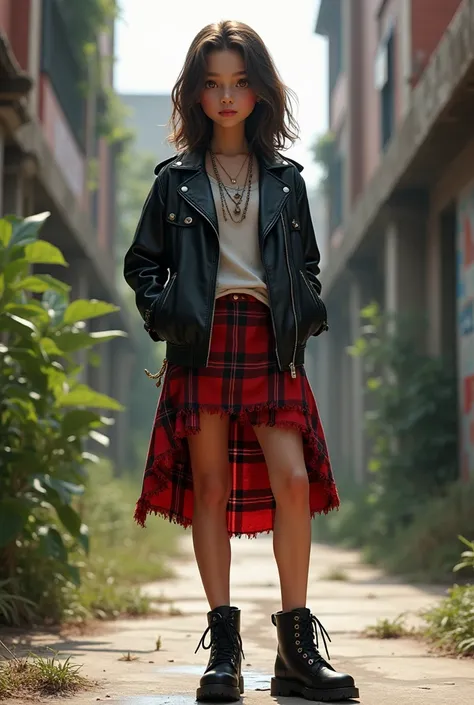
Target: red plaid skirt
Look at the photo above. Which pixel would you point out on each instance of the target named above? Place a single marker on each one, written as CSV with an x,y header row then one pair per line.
x,y
243,381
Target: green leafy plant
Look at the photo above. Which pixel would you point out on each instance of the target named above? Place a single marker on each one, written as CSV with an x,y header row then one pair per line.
x,y
411,419
388,629
46,414
467,556
14,608
450,625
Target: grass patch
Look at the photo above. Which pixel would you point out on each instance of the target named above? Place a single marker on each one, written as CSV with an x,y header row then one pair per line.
x,y
40,676
336,573
450,625
388,629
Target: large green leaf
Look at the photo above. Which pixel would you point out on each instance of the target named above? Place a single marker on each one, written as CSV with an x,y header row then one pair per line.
x,y
52,544
25,230
83,309
13,516
31,311
64,488
55,303
18,267
69,519
15,324
71,341
82,395
42,252
39,283
50,347
79,421
5,232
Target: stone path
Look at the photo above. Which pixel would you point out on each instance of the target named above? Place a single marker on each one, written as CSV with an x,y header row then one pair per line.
x,y
388,672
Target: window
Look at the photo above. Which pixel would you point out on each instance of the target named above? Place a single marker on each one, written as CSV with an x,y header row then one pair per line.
x,y
336,181
385,83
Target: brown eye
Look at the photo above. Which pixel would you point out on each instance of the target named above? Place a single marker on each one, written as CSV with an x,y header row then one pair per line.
x,y
210,84
243,83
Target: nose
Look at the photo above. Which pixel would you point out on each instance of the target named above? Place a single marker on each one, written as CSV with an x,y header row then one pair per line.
x,y
226,98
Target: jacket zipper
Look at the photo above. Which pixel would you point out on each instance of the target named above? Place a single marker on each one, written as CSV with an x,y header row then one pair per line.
x,y
292,295
303,275
217,269
168,289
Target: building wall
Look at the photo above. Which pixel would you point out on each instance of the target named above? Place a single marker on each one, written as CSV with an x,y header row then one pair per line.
x,y
429,20
19,30
368,92
5,16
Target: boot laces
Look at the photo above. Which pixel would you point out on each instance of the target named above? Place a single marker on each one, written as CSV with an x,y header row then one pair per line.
x,y
309,636
224,641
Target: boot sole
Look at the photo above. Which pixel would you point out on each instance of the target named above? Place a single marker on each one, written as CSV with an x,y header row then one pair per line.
x,y
287,688
215,692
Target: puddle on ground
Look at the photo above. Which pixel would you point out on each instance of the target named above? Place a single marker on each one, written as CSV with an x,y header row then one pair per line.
x,y
156,700
252,679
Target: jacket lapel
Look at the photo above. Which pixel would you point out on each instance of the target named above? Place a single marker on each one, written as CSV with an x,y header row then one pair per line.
x,y
196,189
272,199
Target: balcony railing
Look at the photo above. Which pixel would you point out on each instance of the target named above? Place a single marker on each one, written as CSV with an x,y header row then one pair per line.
x,y
61,65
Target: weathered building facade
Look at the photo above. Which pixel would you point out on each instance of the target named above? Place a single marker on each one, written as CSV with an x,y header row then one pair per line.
x,y
401,77
49,140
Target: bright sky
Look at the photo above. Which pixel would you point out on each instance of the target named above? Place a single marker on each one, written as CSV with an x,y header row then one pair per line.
x,y
151,44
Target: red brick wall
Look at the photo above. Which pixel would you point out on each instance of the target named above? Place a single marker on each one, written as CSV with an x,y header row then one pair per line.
x,y
20,30
5,16
429,19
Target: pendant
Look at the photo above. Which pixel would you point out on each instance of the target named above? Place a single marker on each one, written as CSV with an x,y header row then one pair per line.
x,y
237,210
237,196
234,181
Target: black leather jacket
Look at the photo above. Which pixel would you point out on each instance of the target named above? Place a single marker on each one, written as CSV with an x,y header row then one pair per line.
x,y
173,261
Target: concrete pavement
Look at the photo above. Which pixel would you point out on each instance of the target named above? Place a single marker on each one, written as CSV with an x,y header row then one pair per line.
x,y
387,672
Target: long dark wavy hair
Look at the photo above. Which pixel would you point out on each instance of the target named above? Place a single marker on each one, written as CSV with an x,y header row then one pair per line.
x,y
269,127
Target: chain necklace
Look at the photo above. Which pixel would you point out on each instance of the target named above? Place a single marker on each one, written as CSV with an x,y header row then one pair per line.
x,y
237,198
232,180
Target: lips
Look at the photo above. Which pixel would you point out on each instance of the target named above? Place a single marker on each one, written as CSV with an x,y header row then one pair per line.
x,y
228,113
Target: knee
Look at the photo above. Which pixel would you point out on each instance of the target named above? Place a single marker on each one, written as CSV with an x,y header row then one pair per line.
x,y
211,491
292,489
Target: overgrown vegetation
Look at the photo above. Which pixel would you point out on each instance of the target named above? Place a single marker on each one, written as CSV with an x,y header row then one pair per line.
x,y
388,629
40,676
323,154
48,419
411,509
450,625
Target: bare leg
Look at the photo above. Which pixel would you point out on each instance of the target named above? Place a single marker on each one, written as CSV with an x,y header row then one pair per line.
x,y
209,451
283,450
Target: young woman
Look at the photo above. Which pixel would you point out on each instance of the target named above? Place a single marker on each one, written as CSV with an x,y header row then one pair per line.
x,y
225,265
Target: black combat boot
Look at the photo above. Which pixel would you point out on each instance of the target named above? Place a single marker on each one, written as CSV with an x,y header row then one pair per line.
x,y
299,667
222,680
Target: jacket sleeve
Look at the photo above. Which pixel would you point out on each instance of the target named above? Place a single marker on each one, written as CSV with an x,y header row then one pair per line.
x,y
145,269
311,250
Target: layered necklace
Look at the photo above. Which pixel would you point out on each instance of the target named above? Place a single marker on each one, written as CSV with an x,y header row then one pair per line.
x,y
234,205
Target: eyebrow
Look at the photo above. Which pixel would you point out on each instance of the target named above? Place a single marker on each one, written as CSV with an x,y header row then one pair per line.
x,y
238,73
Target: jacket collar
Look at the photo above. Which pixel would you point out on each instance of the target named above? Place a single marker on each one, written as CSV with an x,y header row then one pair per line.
x,y
195,160
274,190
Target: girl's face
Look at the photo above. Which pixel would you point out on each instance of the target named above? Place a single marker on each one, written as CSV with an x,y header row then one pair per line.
x,y
227,99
